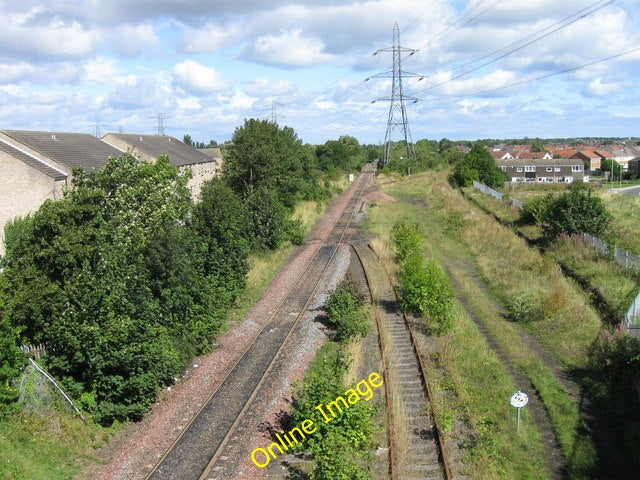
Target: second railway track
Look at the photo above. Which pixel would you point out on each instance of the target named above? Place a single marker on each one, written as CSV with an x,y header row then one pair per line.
x,y
420,454
197,449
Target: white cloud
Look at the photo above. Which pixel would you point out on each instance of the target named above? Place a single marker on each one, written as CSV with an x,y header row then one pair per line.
x,y
289,49
55,40
131,40
599,88
263,87
198,79
209,38
102,70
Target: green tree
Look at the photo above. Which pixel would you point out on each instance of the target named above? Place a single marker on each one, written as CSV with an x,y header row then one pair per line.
x,y
610,165
344,154
187,139
222,221
11,358
263,155
268,219
577,211
444,145
537,145
478,165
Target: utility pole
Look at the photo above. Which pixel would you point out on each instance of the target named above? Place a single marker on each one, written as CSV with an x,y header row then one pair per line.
x,y
397,110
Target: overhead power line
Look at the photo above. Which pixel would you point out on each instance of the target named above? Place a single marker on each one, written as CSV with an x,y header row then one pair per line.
x,y
541,77
559,26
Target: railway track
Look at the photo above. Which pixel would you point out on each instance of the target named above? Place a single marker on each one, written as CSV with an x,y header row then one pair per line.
x,y
421,455
199,448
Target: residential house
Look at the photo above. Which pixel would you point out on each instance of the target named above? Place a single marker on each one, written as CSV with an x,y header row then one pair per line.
x,y
634,166
592,158
560,170
623,154
149,147
37,166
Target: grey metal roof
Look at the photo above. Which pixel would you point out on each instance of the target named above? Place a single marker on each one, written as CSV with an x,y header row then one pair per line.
x,y
179,153
71,149
33,162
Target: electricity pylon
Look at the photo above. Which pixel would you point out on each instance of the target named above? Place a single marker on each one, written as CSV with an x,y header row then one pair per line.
x,y
397,109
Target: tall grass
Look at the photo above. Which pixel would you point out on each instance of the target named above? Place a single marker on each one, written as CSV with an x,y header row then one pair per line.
x,y
50,446
626,219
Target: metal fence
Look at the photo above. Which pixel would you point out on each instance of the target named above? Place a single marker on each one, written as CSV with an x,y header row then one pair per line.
x,y
626,259
495,194
35,351
487,190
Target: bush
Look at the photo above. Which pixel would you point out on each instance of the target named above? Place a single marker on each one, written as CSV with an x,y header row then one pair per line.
x,y
340,446
478,165
267,219
346,311
425,289
577,211
536,209
406,238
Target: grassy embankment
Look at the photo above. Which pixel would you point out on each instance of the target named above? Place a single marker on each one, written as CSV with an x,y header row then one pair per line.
x,y
54,444
461,236
613,286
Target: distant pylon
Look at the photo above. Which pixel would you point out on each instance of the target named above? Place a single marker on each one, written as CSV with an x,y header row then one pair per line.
x,y
397,109
160,125
274,110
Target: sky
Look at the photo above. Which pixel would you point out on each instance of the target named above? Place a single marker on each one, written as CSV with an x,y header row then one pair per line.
x,y
471,69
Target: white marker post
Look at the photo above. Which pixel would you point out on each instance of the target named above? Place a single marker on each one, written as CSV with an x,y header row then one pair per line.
x,y
519,400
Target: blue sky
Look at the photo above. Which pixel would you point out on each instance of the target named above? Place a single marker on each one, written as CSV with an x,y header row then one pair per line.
x,y
206,65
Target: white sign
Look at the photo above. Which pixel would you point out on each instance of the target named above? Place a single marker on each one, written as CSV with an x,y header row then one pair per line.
x,y
519,399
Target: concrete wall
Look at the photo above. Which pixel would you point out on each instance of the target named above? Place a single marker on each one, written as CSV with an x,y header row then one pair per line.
x,y
22,190
200,173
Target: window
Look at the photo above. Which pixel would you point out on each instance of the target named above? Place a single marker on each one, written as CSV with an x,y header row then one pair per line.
x,y
519,169
576,168
530,168
504,169
549,169
556,169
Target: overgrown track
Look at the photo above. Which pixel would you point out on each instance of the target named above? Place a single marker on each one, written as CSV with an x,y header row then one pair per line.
x,y
422,454
195,452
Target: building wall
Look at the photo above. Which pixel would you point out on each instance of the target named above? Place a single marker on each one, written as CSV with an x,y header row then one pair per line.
x,y
200,173
22,190
540,173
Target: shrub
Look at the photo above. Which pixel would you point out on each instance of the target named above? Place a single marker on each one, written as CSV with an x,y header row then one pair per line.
x,y
346,312
339,446
406,239
425,289
478,165
577,211
536,209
